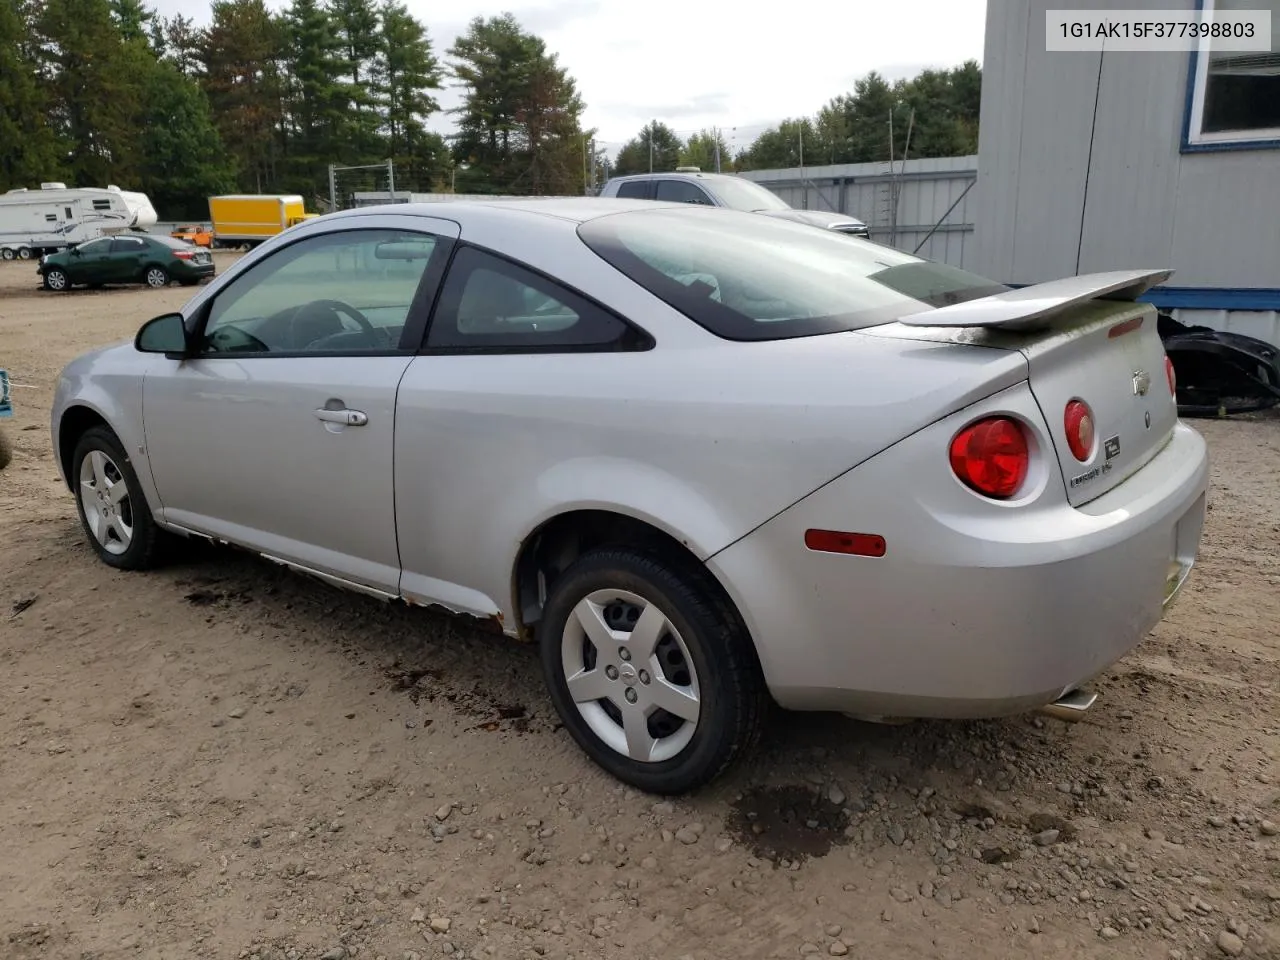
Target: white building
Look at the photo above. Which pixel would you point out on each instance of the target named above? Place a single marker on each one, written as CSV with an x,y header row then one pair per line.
x,y
1107,160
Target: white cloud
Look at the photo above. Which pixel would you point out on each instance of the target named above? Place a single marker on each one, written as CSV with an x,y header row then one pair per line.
x,y
701,65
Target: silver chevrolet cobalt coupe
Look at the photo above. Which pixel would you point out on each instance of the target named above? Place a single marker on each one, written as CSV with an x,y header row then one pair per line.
x,y
707,460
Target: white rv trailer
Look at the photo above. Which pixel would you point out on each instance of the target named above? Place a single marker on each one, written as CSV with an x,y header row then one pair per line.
x,y
35,222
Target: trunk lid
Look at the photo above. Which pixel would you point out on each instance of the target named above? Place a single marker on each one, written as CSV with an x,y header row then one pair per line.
x,y
1083,338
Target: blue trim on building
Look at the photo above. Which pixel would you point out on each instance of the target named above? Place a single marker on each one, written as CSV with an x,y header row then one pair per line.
x,y
1206,298
1213,298
1186,146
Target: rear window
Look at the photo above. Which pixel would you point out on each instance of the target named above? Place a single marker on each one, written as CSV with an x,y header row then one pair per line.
x,y
747,277
174,243
633,190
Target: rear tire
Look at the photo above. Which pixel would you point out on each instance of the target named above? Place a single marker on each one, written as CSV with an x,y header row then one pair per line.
x,y
156,277
24,253
7,253
6,451
692,654
118,522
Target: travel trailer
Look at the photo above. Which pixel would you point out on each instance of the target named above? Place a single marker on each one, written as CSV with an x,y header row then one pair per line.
x,y
54,217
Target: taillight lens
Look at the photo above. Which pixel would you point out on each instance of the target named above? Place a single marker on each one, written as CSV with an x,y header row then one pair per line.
x,y
182,254
1171,377
991,456
1078,421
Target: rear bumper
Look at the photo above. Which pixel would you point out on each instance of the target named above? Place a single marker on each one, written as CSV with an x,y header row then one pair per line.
x,y
193,271
977,609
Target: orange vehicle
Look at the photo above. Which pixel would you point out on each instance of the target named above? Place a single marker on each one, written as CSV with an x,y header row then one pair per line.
x,y
200,236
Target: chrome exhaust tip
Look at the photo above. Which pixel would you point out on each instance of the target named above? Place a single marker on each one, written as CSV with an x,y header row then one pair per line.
x,y
1070,707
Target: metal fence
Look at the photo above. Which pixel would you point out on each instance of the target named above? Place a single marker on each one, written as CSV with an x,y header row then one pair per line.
x,y
923,206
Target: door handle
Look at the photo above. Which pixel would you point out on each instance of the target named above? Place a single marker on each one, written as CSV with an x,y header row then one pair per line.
x,y
350,418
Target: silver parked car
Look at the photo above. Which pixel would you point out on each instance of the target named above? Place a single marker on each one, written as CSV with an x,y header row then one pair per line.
x,y
706,459
725,190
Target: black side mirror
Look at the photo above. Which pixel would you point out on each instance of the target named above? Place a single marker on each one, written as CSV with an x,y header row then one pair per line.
x,y
164,334
75,251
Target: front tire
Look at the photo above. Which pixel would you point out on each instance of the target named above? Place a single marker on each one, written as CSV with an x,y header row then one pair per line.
x,y
113,509
6,451
56,279
650,669
7,253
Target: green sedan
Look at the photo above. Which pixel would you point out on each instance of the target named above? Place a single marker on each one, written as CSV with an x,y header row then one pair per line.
x,y
129,258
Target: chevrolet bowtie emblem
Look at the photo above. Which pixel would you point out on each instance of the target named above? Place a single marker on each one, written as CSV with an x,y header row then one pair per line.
x,y
1141,383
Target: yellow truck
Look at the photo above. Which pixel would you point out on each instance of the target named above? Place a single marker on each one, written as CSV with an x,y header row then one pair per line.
x,y
248,219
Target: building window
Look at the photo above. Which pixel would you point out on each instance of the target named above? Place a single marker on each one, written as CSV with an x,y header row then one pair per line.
x,y
1234,96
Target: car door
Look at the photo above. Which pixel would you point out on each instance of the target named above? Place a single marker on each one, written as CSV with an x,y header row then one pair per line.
x,y
90,262
278,433
125,261
462,425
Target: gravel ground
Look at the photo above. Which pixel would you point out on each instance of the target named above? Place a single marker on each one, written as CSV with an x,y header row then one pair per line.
x,y
222,759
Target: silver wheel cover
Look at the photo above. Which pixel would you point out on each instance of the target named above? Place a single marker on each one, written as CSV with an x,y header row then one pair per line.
x,y
105,500
630,675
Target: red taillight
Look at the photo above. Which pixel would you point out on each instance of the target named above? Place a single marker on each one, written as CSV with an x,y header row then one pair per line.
x,y
1171,377
1078,421
183,254
991,456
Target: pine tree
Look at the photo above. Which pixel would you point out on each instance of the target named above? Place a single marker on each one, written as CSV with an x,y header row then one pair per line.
x,y
29,147
407,74
239,53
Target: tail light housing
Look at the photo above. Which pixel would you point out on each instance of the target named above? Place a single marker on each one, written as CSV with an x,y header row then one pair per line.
x,y
992,457
1078,421
183,254
1171,376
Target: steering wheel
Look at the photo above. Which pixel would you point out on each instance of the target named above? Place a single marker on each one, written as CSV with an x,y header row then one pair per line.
x,y
336,307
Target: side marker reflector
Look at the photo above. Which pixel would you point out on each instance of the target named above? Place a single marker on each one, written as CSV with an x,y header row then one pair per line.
x,y
836,541
1120,329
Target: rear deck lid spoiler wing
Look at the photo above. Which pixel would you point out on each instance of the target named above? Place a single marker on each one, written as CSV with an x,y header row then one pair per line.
x,y
1035,307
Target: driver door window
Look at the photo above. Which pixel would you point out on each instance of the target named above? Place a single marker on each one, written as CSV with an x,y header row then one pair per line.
x,y
348,292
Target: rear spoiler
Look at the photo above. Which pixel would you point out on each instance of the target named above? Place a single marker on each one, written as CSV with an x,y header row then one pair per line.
x,y
1034,307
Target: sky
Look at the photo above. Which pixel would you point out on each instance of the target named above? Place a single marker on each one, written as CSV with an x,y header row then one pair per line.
x,y
693,65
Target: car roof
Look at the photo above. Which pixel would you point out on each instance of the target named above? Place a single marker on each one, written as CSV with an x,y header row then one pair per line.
x,y
575,209
677,175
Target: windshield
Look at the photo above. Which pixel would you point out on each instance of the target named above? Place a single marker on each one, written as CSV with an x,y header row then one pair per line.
x,y
758,278
746,195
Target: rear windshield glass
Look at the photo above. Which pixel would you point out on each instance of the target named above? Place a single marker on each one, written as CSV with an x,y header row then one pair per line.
x,y
173,242
738,194
747,277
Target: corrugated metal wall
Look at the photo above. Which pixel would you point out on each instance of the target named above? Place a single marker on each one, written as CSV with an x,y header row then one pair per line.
x,y
926,189
1063,190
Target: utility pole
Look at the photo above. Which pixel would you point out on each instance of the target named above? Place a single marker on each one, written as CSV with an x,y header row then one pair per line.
x,y
591,183
333,190
804,184
652,124
715,132
391,178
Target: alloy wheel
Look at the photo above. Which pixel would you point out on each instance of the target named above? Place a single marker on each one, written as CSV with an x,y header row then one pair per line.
x,y
630,675
105,500
156,277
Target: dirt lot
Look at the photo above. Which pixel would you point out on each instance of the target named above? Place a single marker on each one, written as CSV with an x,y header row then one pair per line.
x,y
221,759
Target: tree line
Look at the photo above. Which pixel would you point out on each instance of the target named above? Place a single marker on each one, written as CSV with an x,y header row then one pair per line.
x,y
938,107
94,92
108,91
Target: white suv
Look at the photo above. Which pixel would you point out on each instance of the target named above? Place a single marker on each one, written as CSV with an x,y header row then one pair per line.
x,y
724,190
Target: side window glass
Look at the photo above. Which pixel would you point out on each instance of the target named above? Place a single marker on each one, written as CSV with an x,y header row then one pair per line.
x,y
347,292
126,245
681,191
633,190
489,302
